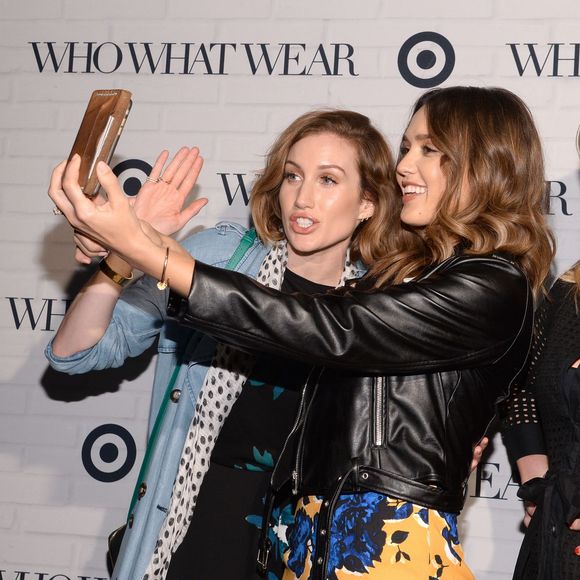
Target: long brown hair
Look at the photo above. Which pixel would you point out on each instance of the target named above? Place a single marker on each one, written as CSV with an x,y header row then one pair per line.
x,y
489,144
376,169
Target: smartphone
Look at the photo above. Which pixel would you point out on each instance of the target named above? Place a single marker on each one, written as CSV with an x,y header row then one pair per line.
x,y
99,133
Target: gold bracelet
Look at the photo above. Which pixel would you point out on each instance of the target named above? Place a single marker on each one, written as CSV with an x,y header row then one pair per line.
x,y
163,282
114,276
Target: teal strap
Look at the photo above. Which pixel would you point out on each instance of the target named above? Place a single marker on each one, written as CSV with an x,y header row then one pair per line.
x,y
154,435
245,244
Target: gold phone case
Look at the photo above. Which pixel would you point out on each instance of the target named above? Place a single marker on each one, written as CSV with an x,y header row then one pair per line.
x,y
99,132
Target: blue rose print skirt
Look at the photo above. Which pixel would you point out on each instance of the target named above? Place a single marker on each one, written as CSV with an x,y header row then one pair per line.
x,y
374,536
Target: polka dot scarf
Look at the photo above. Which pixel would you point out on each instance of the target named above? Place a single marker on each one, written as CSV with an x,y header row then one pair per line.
x,y
223,383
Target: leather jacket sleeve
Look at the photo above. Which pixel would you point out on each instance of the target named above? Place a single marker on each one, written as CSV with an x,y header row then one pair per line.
x,y
465,313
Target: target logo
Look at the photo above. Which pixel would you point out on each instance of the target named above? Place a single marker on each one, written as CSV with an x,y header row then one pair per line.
x,y
426,60
132,174
109,453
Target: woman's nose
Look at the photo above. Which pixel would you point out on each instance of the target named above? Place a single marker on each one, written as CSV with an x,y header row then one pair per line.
x,y
304,195
406,165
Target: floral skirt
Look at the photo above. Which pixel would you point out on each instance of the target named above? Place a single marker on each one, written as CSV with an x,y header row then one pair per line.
x,y
377,537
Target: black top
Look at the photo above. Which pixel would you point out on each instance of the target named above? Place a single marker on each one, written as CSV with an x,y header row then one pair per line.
x,y
222,539
259,419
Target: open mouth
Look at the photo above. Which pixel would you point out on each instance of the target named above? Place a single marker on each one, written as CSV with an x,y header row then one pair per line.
x,y
304,222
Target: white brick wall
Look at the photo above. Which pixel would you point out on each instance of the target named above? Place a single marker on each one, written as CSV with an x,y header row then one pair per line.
x,y
53,515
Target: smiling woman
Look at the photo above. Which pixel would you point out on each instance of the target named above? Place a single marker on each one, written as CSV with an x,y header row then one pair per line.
x,y
406,373
419,173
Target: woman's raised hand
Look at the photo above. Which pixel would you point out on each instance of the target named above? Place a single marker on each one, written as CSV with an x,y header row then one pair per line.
x,y
160,201
112,224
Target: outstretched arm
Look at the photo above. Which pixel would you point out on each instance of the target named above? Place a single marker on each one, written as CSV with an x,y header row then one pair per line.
x,y
468,316
160,202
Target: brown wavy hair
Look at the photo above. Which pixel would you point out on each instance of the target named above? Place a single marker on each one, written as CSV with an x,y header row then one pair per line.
x,y
489,144
376,169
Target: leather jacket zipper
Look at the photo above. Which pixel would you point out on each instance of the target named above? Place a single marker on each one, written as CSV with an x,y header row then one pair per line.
x,y
378,405
297,422
298,461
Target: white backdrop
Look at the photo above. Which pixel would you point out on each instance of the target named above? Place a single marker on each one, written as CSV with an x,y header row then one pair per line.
x,y
226,76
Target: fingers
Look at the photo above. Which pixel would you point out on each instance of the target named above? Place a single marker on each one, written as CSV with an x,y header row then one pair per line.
x,y
575,525
88,247
55,186
191,210
184,169
480,448
478,452
56,177
70,180
182,172
72,194
159,164
190,178
64,188
81,258
172,169
484,443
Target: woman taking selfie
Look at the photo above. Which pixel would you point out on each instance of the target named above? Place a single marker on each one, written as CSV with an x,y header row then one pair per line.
x,y
408,363
332,167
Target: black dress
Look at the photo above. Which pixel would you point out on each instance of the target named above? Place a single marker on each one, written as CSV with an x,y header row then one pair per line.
x,y
222,540
548,403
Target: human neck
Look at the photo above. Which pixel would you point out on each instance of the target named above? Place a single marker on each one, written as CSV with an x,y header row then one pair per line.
x,y
323,267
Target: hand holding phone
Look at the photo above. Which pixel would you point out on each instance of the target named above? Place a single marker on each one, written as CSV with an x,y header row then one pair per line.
x,y
99,133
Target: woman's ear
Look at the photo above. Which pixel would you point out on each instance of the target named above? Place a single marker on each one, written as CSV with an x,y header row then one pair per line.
x,y
367,209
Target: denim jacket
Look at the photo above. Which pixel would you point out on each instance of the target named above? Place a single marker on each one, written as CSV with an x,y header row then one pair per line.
x,y
139,317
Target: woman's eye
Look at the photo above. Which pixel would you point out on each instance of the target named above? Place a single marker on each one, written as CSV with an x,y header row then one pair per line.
x,y
403,150
289,176
328,180
429,149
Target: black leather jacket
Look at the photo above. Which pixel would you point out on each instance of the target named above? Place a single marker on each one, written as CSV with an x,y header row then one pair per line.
x,y
407,378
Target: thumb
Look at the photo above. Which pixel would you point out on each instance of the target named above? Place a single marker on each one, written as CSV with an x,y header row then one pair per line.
x,y
110,183
191,210
81,258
